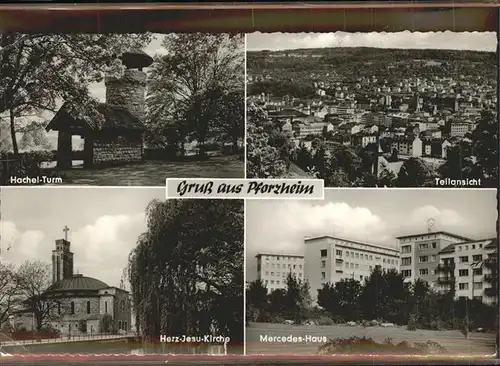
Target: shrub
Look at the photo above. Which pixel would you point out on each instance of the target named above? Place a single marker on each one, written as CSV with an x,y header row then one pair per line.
x,y
368,345
337,319
412,322
324,320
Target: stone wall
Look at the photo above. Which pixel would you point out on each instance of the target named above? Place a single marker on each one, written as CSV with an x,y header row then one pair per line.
x,y
63,321
128,91
116,152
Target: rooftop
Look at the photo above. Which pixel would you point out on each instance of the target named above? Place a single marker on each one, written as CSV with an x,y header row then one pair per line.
x,y
492,243
278,255
77,283
434,233
350,241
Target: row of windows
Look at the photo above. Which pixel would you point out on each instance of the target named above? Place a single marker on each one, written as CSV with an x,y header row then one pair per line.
x,y
282,274
465,272
357,255
467,246
72,308
278,258
465,286
475,258
277,265
421,259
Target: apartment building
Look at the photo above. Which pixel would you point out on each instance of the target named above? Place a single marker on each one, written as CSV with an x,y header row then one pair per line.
x,y
273,269
420,254
328,259
463,265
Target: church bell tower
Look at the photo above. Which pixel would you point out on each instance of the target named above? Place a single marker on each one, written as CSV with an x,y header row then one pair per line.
x,y
62,259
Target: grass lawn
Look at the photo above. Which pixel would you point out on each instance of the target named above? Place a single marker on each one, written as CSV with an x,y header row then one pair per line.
x,y
452,341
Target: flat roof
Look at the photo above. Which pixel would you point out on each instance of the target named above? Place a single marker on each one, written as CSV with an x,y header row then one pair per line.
x,y
351,241
279,255
493,243
437,232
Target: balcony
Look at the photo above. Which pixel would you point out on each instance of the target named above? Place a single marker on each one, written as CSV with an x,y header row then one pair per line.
x,y
339,271
445,281
445,268
339,260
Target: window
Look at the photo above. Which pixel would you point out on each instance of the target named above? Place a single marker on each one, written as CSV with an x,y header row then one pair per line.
x,y
371,257
323,264
323,253
406,261
88,307
72,307
459,247
357,265
278,266
361,278
300,266
323,275
278,282
423,259
424,271
346,264
267,282
357,255
370,268
272,273
105,307
59,308
433,258
466,247
424,246
406,249
434,245
272,282
464,259
477,271
463,272
406,272
463,286
478,285
477,258
347,254
294,266
352,265
383,260
267,273
480,298
473,246
338,253
272,265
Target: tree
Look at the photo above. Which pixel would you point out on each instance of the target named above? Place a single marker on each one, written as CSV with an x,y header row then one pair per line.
x,y
186,272
257,295
278,301
9,285
297,298
348,292
34,280
38,70
485,148
415,173
107,323
231,116
263,159
199,73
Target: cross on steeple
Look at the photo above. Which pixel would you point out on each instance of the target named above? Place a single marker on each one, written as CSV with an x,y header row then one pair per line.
x,y
66,229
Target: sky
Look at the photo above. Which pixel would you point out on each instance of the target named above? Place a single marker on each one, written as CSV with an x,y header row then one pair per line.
x,y
104,225
475,41
366,215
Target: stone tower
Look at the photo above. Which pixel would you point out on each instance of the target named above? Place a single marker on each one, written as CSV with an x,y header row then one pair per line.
x,y
62,259
130,89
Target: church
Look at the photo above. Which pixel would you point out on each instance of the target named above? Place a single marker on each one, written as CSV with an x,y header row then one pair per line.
x,y
81,304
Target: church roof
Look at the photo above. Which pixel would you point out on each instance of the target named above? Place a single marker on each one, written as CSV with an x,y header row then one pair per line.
x,y
77,283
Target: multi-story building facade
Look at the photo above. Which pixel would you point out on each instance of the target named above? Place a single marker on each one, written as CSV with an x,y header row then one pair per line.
x,y
465,266
328,259
420,254
273,269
